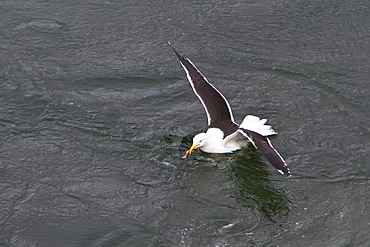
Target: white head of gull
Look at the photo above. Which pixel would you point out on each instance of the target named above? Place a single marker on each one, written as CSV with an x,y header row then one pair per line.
x,y
223,134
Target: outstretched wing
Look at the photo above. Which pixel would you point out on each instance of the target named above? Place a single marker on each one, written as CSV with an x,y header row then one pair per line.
x,y
215,104
263,144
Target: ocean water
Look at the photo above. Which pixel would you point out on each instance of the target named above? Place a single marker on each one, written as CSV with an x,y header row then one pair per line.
x,y
96,112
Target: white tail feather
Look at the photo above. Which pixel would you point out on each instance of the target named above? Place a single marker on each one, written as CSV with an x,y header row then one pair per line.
x,y
257,125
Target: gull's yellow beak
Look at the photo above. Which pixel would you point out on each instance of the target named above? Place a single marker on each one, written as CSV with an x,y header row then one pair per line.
x,y
190,151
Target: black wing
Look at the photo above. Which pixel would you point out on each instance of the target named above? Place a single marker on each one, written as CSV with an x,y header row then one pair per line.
x,y
215,104
264,145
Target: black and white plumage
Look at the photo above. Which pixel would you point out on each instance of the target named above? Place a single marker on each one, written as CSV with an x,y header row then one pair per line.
x,y
223,134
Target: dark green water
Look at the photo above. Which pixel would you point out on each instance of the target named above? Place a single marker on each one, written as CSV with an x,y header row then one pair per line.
x,y
96,112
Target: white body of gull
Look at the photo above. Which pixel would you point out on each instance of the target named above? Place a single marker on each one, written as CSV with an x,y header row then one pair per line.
x,y
223,134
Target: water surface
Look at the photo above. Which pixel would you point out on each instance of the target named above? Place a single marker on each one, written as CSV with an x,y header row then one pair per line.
x,y
96,112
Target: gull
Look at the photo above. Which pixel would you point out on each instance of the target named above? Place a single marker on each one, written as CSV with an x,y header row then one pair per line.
x,y
223,135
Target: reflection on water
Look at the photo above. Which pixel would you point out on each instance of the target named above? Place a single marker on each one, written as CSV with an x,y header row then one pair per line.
x,y
254,188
